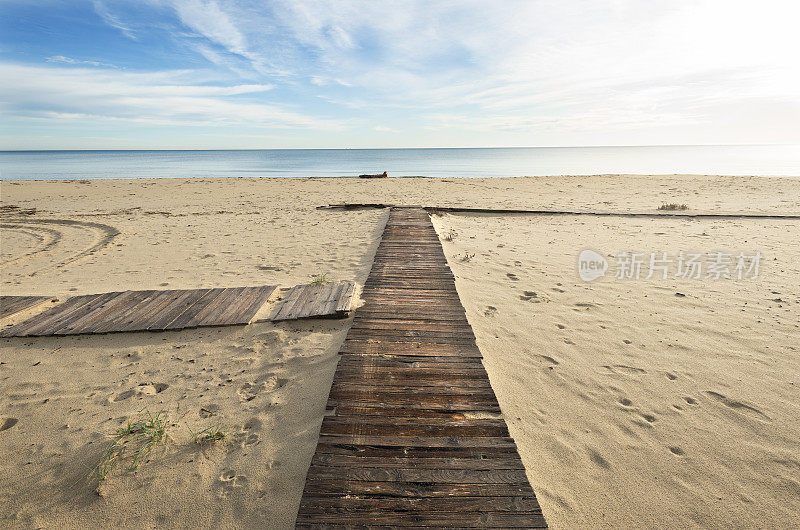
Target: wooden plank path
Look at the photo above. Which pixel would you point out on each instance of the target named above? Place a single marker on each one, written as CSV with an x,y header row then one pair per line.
x,y
316,300
10,305
413,434
145,311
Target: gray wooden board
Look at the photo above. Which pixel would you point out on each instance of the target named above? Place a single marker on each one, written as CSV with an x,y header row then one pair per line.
x,y
145,310
10,305
316,300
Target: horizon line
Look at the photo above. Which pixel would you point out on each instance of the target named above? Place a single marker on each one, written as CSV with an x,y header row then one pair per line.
x,y
394,148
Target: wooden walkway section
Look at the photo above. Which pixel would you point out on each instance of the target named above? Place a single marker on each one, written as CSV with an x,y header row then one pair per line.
x,y
145,311
413,435
316,300
11,305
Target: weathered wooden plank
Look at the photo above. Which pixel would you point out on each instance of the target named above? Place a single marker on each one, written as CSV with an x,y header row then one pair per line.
x,y
341,504
429,476
441,410
410,426
458,519
49,320
115,322
207,314
344,389
290,302
371,345
316,300
202,303
105,309
181,305
496,462
339,447
11,305
325,486
345,300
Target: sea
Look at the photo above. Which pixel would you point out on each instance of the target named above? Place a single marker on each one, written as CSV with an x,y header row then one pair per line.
x,y
760,160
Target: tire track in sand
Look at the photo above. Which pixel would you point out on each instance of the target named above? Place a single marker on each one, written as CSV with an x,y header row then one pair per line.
x,y
51,236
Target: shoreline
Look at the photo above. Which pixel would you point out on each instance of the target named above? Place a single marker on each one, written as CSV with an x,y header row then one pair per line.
x,y
315,177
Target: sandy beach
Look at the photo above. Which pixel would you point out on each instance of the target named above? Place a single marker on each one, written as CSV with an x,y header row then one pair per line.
x,y
670,403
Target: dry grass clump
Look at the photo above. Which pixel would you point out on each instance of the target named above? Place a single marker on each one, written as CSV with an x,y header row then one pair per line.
x,y
673,206
131,444
209,435
320,279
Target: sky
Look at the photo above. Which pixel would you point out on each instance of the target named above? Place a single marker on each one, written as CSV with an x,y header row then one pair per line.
x,y
204,74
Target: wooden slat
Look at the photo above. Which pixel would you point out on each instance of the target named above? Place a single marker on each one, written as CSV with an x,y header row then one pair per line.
x,y
413,434
11,305
124,316
107,308
252,300
48,321
316,300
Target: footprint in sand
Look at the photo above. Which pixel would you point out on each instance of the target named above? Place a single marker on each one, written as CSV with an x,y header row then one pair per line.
x,y
229,481
247,436
490,311
549,359
209,410
624,369
529,296
151,389
122,396
7,423
595,457
250,390
675,450
270,338
648,417
737,405
690,400
513,277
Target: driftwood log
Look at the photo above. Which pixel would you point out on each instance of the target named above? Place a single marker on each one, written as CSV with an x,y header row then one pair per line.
x,y
378,176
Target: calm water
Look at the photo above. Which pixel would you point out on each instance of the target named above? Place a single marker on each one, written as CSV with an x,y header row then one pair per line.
x,y
494,162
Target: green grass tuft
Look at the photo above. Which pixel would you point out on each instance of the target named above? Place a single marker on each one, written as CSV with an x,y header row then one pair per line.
x,y
209,435
132,443
320,279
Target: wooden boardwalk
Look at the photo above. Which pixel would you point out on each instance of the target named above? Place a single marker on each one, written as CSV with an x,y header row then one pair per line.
x,y
413,435
145,311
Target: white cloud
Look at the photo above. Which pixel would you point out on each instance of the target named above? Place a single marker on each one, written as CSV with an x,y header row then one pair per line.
x,y
164,98
70,60
207,18
113,20
506,66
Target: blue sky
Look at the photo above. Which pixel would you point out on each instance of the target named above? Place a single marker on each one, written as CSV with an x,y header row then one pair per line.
x,y
336,74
